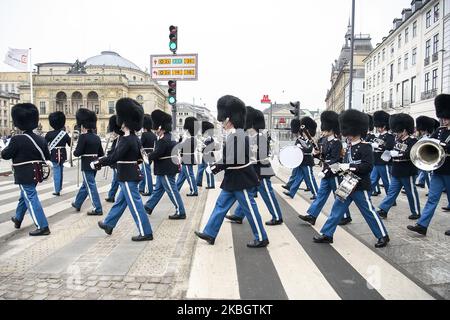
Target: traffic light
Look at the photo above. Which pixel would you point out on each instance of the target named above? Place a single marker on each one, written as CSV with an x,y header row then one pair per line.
x,y
172,92
296,110
173,45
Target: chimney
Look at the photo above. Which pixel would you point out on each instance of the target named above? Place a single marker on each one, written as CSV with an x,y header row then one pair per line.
x,y
406,13
416,5
397,23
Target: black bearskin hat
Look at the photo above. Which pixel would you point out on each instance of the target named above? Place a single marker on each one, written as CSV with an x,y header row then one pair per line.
x,y
401,121
371,125
161,119
442,104
112,125
25,116
436,125
86,118
57,120
381,119
148,123
250,117
232,108
353,123
259,122
329,121
424,123
189,125
309,124
295,126
207,126
130,114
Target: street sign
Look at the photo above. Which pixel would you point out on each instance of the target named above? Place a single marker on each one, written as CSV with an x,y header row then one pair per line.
x,y
266,99
179,67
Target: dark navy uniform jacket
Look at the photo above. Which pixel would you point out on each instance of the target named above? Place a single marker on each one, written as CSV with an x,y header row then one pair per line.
x,y
148,141
59,153
164,163
307,148
111,150
187,149
239,171
443,135
89,148
331,153
20,150
389,143
402,166
360,157
126,156
261,147
208,150
370,138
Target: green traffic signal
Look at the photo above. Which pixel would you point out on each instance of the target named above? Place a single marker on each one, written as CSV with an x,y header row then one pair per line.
x,y
173,46
172,100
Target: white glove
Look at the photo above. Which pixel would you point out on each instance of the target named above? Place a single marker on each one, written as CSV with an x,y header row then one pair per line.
x,y
344,166
395,154
92,165
321,175
375,145
208,170
49,163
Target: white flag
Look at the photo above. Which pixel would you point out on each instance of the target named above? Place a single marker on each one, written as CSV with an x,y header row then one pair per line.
x,y
17,58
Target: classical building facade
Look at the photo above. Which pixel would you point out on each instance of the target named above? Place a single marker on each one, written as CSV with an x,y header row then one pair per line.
x,y
96,84
185,110
7,100
404,73
338,95
446,62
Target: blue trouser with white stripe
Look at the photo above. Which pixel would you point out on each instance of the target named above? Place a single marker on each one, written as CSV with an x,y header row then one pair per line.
x,y
383,173
364,204
166,184
225,201
424,178
292,177
268,195
187,173
437,185
129,197
58,176
304,173
114,185
89,188
327,185
209,176
394,190
146,184
29,200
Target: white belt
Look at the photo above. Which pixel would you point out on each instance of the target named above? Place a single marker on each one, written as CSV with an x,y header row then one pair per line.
x,y
27,162
409,160
241,167
188,154
127,162
59,147
165,158
307,154
149,148
89,155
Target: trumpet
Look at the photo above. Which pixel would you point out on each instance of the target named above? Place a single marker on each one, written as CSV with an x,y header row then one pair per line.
x,y
428,155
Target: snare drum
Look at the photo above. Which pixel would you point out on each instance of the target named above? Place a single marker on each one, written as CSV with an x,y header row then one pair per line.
x,y
291,157
347,186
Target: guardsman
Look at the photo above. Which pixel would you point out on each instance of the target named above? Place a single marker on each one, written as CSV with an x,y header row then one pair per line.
x,y
127,156
89,148
440,179
188,149
305,171
384,142
166,166
148,141
255,124
371,138
208,156
404,172
240,178
357,165
28,153
330,153
116,133
57,141
425,126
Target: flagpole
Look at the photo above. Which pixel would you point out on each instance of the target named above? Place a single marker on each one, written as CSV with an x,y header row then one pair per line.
x,y
31,76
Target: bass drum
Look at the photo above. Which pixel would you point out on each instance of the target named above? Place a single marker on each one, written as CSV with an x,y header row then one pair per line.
x,y
291,157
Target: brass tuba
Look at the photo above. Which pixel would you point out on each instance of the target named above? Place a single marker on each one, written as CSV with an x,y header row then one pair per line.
x,y
428,155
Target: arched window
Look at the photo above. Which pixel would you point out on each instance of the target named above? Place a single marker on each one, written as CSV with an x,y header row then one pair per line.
x,y
140,99
77,101
61,102
93,102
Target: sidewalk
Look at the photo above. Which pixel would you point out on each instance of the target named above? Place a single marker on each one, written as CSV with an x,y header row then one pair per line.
x,y
5,166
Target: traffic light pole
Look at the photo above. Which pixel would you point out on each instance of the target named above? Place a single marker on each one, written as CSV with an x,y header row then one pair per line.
x,y
352,50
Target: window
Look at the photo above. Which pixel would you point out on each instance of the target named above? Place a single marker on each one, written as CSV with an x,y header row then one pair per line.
x,y
435,44
42,108
436,12
406,35
391,77
427,49
413,89
427,82
399,40
399,65
428,19
383,75
382,97
435,79
111,107
392,50
378,100
379,58
378,78
384,55
414,57
391,95
406,61
415,29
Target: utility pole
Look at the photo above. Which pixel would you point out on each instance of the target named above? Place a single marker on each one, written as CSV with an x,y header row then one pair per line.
x,y
352,51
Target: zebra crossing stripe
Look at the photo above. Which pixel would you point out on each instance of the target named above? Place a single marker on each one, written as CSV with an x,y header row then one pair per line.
x,y
16,193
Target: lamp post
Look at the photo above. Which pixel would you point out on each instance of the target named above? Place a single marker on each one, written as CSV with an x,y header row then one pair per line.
x,y
352,50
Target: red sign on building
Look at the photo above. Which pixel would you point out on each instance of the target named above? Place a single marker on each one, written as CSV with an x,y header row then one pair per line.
x,y
266,99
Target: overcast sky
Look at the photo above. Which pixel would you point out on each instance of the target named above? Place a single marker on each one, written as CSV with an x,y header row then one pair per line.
x,y
283,48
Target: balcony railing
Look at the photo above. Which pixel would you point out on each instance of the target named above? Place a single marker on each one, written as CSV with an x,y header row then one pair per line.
x,y
427,61
435,57
429,94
